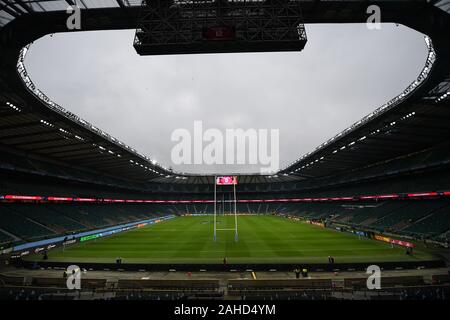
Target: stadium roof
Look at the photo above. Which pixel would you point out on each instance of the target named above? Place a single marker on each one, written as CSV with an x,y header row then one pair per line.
x,y
36,127
11,9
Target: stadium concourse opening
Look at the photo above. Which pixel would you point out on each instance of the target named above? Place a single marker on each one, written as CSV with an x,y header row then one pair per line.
x,y
77,202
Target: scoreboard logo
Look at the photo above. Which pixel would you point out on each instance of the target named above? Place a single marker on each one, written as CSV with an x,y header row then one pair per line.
x,y
226,180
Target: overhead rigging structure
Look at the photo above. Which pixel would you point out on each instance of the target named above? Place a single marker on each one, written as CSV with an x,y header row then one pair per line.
x,y
219,26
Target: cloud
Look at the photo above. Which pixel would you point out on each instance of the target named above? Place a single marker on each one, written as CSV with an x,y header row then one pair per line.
x,y
344,73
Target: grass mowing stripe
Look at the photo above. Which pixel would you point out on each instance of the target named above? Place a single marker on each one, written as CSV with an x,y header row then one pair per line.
x,y
262,239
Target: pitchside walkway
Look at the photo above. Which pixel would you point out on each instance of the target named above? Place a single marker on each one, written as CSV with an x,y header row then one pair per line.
x,y
224,276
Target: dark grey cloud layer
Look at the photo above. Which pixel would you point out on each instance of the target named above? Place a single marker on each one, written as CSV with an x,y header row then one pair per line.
x,y
344,73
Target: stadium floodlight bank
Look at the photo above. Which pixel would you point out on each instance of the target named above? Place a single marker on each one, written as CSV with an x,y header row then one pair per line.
x,y
226,181
219,26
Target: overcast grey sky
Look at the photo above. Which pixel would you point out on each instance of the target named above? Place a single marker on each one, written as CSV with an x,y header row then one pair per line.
x,y
344,73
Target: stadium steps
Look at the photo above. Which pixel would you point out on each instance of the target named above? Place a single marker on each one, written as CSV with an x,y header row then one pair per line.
x,y
378,213
433,224
4,234
80,216
43,226
424,218
401,225
44,215
444,235
6,237
75,221
56,209
20,226
369,221
413,211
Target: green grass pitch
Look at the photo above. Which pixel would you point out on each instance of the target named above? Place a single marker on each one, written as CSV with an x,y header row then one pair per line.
x,y
262,239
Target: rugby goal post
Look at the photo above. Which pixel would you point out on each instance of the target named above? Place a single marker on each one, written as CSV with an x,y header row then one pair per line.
x,y
226,181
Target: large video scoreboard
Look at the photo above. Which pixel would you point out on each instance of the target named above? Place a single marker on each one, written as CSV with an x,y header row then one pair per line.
x,y
226,180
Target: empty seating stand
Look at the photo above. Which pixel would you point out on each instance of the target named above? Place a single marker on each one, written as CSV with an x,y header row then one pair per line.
x,y
62,283
4,238
440,278
436,223
386,282
169,284
21,226
35,221
411,213
11,280
238,287
48,217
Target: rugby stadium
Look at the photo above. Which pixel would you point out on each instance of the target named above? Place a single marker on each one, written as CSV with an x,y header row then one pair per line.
x,y
74,200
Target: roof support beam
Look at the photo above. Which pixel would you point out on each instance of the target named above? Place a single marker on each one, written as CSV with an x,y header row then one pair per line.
x,y
35,142
9,11
68,154
103,161
121,4
25,6
25,135
63,149
19,126
84,156
14,6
